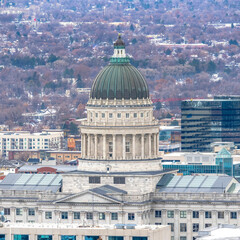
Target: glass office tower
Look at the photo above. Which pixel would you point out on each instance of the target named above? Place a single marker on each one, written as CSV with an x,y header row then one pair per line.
x,y
210,120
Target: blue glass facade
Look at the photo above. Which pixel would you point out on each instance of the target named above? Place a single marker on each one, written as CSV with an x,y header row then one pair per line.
x,y
211,120
44,237
189,169
68,237
139,238
2,237
223,165
115,238
91,237
20,237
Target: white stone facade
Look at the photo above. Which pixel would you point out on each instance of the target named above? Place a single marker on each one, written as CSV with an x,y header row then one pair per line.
x,y
103,231
186,212
132,183
120,130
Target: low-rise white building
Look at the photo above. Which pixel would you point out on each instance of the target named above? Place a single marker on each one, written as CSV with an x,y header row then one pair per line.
x,y
51,139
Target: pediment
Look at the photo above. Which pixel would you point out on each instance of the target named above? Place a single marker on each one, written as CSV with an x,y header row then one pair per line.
x,y
88,197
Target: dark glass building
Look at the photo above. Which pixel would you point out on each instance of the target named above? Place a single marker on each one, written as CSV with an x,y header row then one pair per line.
x,y
210,120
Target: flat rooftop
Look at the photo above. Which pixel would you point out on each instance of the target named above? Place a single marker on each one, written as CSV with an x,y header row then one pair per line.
x,y
78,226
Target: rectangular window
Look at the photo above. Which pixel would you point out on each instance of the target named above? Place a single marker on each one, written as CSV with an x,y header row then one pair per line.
x,y
20,237
131,216
48,215
19,211
68,237
139,238
233,215
170,214
44,237
91,238
208,225
195,214
195,227
101,216
158,214
96,114
183,214
89,215
127,147
119,180
110,147
172,226
183,227
208,214
127,115
64,215
31,212
94,180
7,211
110,115
135,115
103,115
220,215
115,238
183,238
2,237
119,115
76,215
142,115
114,216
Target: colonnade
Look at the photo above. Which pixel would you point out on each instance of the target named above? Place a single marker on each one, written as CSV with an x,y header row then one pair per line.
x,y
146,148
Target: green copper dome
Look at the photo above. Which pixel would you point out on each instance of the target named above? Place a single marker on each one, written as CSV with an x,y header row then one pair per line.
x,y
119,79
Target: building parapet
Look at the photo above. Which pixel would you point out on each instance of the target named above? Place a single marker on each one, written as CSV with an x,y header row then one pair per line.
x,y
211,197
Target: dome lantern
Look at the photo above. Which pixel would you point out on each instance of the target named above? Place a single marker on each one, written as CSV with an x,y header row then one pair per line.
x,y
119,55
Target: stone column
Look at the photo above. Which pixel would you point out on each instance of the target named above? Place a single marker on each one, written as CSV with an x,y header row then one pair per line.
x,y
104,146
114,146
142,146
124,146
83,145
176,222
12,214
154,145
164,216
157,144
189,224
226,217
56,216
70,217
149,145
88,145
201,219
95,146
134,146
108,218
214,218
238,218
138,218
40,216
25,214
